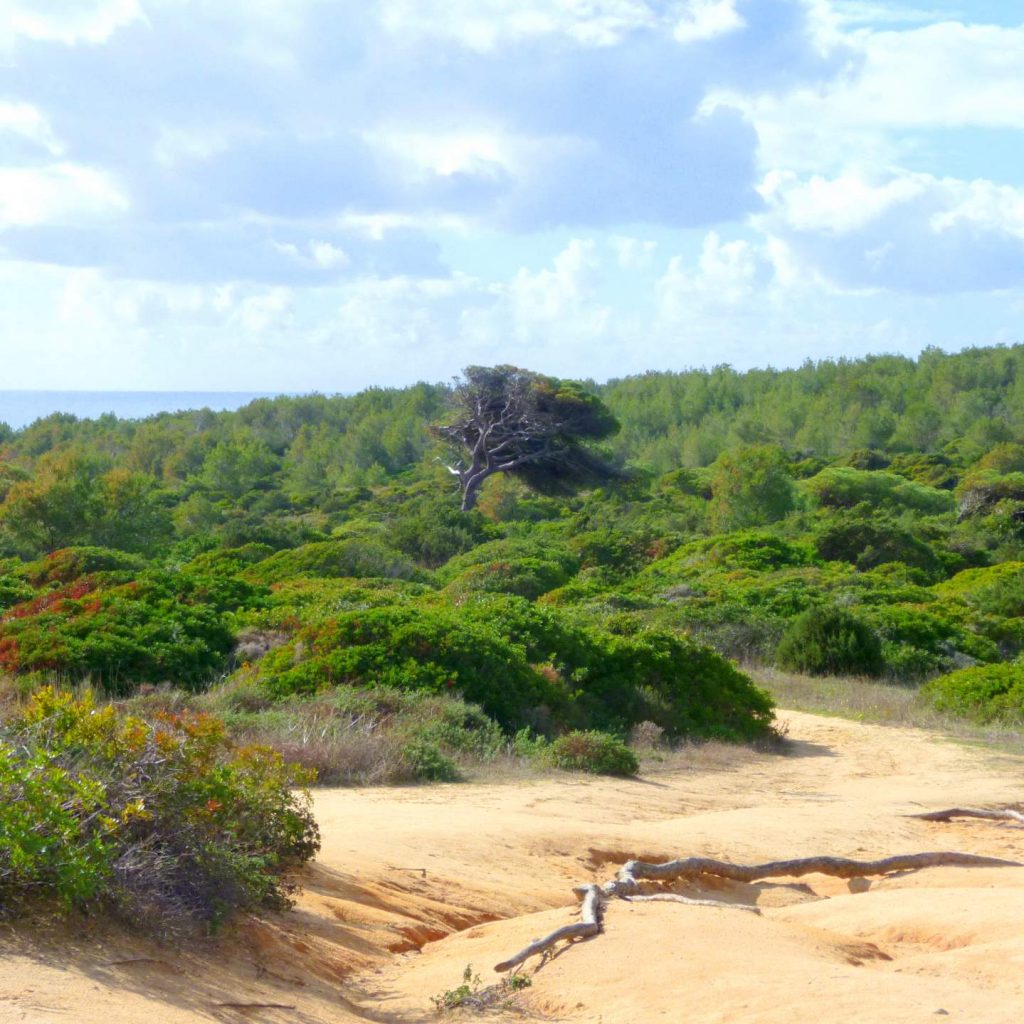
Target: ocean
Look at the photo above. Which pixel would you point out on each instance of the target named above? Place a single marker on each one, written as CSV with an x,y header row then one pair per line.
x,y
20,408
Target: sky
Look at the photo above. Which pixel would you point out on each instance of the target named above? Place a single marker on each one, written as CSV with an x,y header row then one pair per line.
x,y
297,195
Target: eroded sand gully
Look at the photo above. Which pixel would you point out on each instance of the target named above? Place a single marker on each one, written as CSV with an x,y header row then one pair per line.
x,y
414,884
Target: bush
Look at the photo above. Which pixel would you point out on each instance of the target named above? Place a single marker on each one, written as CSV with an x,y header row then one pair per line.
x,y
984,693
426,762
596,752
69,564
841,487
167,824
866,539
160,627
335,558
409,648
830,641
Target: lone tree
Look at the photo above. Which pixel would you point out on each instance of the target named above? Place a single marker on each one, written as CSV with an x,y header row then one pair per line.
x,y
537,428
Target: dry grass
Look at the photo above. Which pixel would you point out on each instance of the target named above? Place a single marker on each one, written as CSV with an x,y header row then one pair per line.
x,y
866,700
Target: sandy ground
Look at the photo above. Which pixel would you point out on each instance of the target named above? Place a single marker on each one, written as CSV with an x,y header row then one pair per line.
x,y
414,884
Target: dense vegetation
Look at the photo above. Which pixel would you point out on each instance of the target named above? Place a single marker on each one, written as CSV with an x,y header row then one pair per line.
x,y
166,823
862,516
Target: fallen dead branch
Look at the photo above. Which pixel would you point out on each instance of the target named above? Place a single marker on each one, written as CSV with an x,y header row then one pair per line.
x,y
970,812
671,897
589,925
626,884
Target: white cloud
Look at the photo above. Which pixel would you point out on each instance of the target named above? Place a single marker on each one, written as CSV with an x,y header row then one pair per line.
x,y
706,19
726,275
900,230
837,205
328,256
29,122
59,194
265,311
65,21
634,253
485,24
376,226
320,254
946,75
178,147
562,293
448,153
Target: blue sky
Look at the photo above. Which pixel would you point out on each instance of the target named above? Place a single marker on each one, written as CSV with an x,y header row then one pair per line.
x,y
327,194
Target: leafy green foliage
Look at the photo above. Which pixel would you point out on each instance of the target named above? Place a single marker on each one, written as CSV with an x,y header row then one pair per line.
x,y
166,823
846,488
984,693
351,557
539,429
830,641
868,538
185,546
751,486
596,752
416,649
158,627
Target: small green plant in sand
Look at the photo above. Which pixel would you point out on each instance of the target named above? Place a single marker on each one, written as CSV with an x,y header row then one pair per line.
x,y
473,995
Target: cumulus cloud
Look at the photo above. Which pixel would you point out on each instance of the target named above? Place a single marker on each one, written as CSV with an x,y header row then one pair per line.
x,y
726,274
589,186
68,22
930,77
56,194
903,231
26,123
705,19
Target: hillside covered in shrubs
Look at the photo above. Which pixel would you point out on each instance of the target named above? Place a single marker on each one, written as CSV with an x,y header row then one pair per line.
x,y
302,570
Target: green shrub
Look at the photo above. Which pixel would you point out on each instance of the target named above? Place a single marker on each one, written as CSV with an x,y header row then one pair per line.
x,y
997,589
228,561
13,590
867,539
45,852
842,487
930,470
166,823
523,577
427,763
753,550
830,641
336,558
69,564
409,648
160,627
596,752
984,693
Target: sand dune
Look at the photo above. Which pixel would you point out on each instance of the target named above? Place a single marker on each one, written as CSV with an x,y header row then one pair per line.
x,y
414,884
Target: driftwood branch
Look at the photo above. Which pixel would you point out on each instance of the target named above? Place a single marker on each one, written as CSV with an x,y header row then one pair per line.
x,y
588,926
626,885
672,897
970,812
635,871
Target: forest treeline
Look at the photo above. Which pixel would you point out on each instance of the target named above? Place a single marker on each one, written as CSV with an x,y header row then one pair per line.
x,y
856,515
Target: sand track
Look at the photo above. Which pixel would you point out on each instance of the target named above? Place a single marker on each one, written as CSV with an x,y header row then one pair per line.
x,y
413,884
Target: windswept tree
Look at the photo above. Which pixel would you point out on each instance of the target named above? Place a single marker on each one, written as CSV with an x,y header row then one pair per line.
x,y
539,429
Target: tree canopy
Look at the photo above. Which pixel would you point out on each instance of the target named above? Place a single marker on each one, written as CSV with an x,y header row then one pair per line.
x,y
535,427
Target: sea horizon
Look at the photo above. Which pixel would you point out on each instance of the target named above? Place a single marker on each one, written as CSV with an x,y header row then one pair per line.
x,y
20,408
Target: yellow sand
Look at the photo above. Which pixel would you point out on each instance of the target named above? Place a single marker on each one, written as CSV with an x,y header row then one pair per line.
x,y
414,884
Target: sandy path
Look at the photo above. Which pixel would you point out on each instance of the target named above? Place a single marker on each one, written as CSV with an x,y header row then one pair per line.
x,y
413,884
